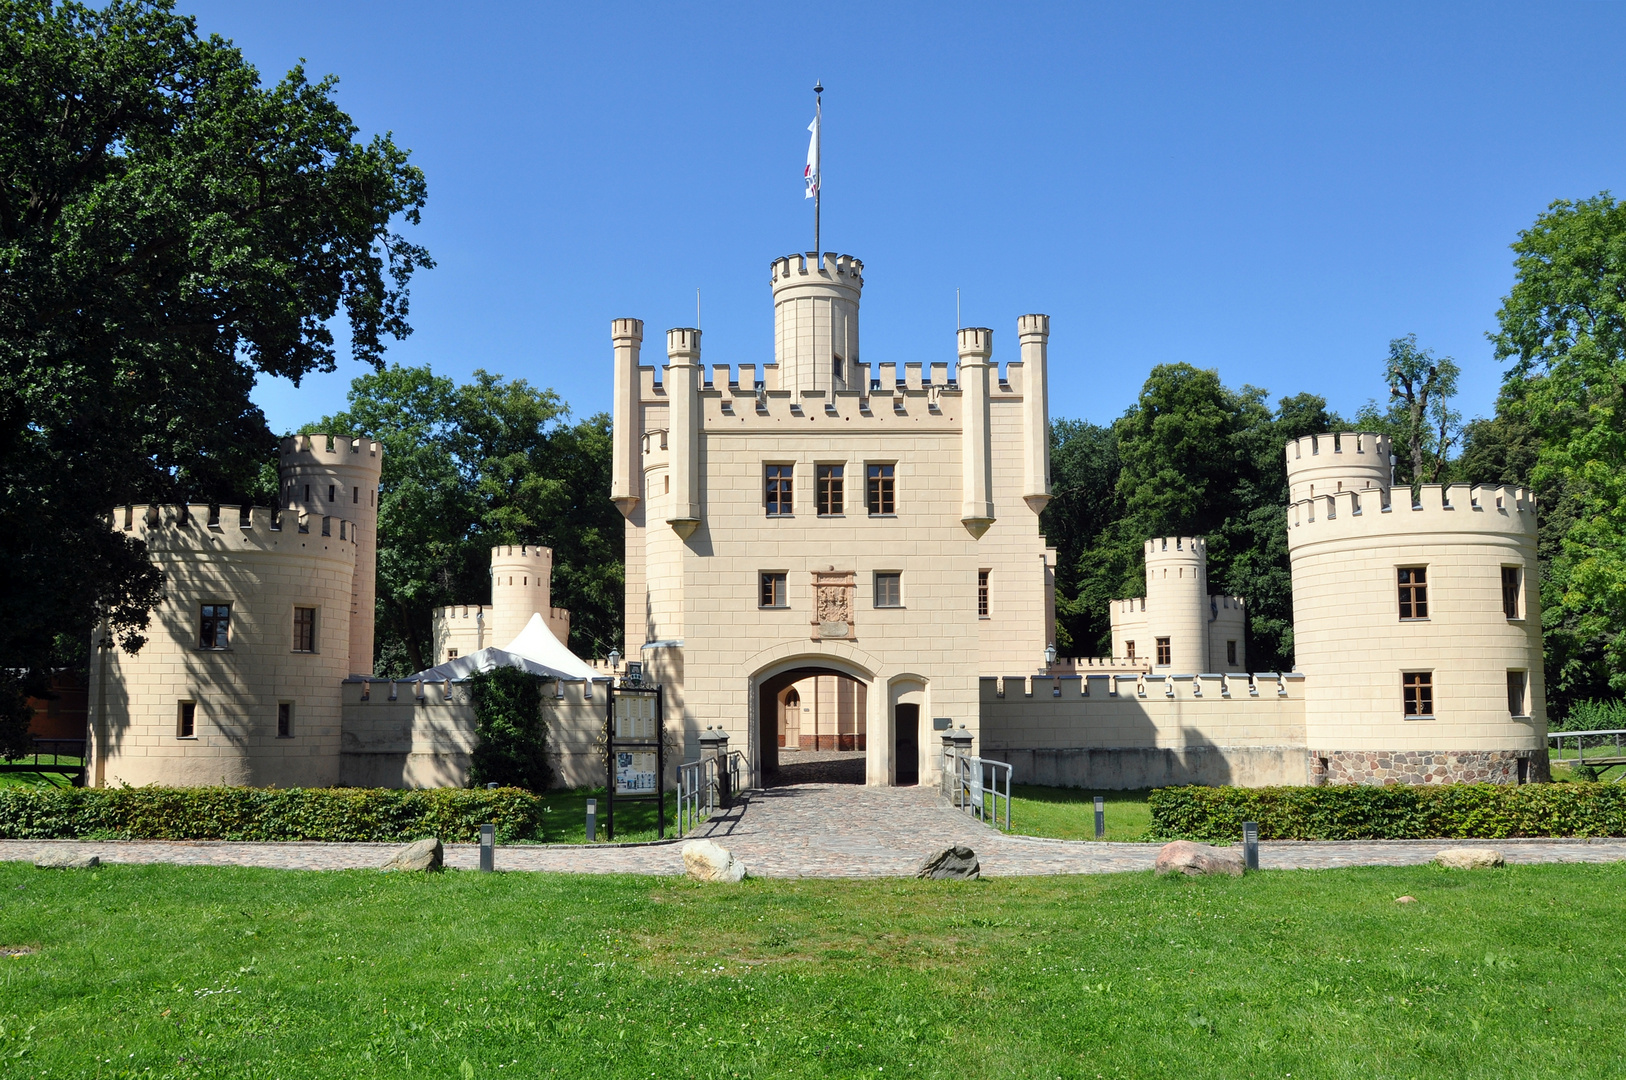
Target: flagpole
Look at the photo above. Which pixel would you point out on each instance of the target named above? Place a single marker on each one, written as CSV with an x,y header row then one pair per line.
x,y
818,152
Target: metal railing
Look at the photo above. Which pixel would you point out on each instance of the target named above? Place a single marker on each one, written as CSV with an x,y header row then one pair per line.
x,y
703,788
56,750
977,786
1603,740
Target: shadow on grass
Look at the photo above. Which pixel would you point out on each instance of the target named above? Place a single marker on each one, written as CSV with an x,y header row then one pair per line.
x,y
1069,813
565,819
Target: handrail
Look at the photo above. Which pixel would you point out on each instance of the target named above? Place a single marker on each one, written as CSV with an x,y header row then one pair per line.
x,y
969,782
700,792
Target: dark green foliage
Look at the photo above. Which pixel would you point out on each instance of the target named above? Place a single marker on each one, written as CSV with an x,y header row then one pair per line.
x,y
169,229
1391,812
490,462
508,720
1194,458
232,813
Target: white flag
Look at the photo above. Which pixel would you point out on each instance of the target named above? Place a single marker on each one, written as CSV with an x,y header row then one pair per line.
x,y
810,175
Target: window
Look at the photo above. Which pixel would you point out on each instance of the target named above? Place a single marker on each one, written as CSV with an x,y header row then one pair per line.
x,y
1230,653
451,654
1413,592
830,493
304,629
1510,591
285,719
982,594
778,480
1516,681
307,493
838,368
355,495
888,589
214,629
1129,650
1417,689
330,490
1163,650
880,490
186,720
772,593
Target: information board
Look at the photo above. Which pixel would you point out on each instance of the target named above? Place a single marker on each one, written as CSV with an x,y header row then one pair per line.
x,y
634,731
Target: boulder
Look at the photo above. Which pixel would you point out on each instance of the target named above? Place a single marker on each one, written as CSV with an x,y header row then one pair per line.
x,y
1470,858
705,860
67,859
951,862
1195,860
1405,899
426,854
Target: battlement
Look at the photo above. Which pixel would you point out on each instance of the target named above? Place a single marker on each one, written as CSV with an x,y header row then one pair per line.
x,y
205,527
1504,509
1176,548
1126,686
1356,443
805,266
312,448
518,553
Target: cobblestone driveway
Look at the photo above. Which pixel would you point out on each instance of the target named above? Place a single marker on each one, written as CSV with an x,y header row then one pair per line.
x,y
820,830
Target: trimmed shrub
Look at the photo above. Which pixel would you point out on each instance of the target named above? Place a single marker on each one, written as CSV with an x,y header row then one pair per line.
x,y
1390,812
508,720
231,813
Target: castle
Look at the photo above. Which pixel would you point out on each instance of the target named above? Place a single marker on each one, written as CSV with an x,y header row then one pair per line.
x,y
824,553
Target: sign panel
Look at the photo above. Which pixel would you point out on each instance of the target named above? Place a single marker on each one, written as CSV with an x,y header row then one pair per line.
x,y
635,772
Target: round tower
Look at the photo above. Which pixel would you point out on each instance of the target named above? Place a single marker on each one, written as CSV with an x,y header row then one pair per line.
x,y
1177,604
337,476
1328,464
1418,628
815,320
520,577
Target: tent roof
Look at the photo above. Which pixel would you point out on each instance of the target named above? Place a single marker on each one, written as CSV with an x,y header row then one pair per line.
x,y
535,650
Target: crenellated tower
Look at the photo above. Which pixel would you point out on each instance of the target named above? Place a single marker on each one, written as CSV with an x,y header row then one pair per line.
x,y
815,320
337,476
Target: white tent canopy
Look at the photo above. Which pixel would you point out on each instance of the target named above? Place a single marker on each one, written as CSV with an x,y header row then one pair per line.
x,y
535,650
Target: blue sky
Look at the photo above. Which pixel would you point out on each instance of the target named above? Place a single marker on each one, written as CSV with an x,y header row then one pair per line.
x,y
1272,191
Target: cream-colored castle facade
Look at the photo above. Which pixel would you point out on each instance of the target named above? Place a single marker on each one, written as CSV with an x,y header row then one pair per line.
x,y
824,553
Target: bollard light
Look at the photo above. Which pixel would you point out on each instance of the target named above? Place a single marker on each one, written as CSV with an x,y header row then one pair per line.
x,y
488,848
1100,818
1250,845
491,785
592,820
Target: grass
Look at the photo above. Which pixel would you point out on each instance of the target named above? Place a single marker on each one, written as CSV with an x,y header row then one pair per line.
x,y
1069,813
566,822
163,971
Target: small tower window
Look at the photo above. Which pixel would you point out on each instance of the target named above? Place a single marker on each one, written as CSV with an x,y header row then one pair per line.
x,y
186,720
1230,653
214,626
1163,651
355,495
304,629
1510,591
1129,650
1413,592
982,594
331,489
1517,699
1417,692
285,719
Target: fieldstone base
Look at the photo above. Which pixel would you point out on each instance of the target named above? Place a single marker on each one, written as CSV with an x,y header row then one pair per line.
x,y
1426,766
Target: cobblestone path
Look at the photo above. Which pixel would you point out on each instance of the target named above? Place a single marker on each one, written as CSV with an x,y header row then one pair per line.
x,y
819,830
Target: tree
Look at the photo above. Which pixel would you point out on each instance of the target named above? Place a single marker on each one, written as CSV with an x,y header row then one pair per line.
x,y
1419,419
467,467
1563,325
512,746
1084,478
169,229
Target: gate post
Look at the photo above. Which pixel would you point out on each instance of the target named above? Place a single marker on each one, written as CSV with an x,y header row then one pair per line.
x,y
714,744
956,747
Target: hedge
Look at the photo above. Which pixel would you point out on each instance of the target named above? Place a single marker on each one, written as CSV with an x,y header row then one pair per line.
x,y
1391,812
231,813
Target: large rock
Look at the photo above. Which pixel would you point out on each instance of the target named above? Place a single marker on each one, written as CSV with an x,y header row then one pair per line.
x,y
951,862
425,854
1470,858
67,859
1195,860
708,861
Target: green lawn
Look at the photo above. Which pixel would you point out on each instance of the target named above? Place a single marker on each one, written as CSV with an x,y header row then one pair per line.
x,y
566,821
1069,813
220,972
